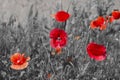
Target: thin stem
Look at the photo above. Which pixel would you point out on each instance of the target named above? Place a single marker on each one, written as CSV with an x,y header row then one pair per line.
x,y
85,68
61,5
48,56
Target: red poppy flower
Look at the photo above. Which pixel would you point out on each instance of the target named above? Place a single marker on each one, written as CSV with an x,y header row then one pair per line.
x,y
93,24
19,61
116,14
96,51
61,16
58,38
100,22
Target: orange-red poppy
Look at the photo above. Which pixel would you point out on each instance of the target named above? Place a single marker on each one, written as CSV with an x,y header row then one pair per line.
x,y
93,24
114,16
19,61
100,23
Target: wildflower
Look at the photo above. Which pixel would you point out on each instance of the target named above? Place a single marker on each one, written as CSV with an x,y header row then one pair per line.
x,y
100,23
114,16
96,51
19,61
58,38
61,16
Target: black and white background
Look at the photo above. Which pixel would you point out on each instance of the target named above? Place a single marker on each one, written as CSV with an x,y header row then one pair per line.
x,y
25,27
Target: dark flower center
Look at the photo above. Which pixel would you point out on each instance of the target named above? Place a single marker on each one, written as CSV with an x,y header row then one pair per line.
x,y
59,38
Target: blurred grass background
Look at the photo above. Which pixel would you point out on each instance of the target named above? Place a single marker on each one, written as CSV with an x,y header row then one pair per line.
x,y
25,27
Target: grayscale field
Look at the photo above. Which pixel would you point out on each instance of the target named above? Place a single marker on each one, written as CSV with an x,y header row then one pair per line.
x,y
25,27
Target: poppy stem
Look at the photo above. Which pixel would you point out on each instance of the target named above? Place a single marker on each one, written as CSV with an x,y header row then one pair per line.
x,y
88,37
85,68
67,51
48,56
69,6
61,5
65,23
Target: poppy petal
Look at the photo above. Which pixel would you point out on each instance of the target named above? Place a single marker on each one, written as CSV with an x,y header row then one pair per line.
x,y
100,20
62,16
93,24
53,43
54,33
116,14
63,34
19,67
111,19
28,58
96,57
103,27
14,58
58,38
96,51
100,58
58,50
63,42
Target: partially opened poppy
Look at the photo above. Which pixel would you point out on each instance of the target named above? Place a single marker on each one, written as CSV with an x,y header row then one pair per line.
x,y
19,61
58,50
109,19
58,38
100,23
61,16
96,51
114,16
